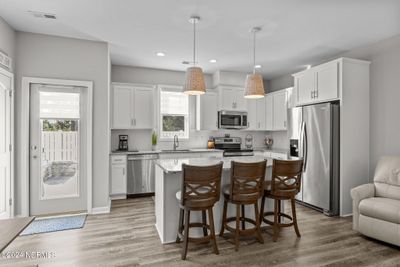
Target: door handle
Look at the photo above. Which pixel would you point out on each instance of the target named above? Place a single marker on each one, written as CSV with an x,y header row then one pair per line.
x,y
305,148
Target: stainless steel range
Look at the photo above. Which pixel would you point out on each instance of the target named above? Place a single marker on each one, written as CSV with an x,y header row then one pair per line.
x,y
232,146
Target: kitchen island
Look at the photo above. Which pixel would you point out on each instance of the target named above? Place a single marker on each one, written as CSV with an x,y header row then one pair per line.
x,y
168,182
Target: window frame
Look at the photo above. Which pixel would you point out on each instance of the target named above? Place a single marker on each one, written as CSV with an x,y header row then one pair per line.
x,y
186,136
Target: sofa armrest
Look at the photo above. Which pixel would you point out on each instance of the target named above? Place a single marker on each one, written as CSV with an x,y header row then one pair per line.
x,y
357,194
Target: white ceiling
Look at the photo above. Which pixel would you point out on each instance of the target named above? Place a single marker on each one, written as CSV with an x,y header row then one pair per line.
x,y
294,32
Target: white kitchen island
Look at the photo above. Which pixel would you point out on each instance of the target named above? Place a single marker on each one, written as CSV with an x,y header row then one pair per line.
x,y
168,181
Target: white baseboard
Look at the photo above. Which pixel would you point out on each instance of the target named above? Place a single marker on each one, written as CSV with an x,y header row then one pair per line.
x,y
102,210
116,197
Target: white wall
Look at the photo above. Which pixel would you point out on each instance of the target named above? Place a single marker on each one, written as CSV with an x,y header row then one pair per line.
x,y
65,58
141,139
384,95
7,40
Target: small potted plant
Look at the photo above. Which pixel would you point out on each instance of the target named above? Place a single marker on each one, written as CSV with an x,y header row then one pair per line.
x,y
153,141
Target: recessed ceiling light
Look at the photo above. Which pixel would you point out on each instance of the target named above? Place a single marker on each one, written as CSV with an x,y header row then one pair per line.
x,y
257,66
160,54
213,61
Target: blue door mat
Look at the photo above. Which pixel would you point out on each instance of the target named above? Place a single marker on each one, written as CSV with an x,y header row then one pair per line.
x,y
55,224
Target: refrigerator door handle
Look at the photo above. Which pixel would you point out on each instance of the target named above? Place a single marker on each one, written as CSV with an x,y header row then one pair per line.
x,y
305,147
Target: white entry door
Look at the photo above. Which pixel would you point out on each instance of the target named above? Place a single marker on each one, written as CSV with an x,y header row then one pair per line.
x,y
57,151
5,149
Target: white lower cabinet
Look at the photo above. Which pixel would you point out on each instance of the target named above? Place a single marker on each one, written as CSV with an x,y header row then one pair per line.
x,y
118,186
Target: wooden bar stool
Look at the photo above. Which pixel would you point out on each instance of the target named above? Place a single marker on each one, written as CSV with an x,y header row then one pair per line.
x,y
246,188
200,190
285,185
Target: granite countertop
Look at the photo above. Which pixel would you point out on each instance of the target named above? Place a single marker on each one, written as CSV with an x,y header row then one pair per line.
x,y
274,150
175,165
141,152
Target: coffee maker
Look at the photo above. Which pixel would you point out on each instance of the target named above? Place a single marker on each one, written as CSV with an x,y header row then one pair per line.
x,y
123,143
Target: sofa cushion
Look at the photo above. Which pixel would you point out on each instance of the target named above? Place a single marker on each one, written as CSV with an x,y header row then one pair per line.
x,y
387,178
381,208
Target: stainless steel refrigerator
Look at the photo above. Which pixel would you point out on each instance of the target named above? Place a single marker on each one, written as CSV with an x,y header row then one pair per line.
x,y
314,136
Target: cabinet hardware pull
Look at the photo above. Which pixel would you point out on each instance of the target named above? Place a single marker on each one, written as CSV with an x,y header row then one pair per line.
x,y
131,122
312,94
123,171
316,93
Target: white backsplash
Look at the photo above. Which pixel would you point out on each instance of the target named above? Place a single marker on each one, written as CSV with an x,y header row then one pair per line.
x,y
141,139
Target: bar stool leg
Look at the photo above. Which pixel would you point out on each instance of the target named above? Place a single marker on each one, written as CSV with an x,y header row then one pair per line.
x,y
180,225
204,217
243,221
262,209
212,230
296,228
275,227
186,235
221,232
258,228
237,232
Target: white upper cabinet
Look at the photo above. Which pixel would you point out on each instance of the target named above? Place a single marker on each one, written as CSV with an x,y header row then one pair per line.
x,y
327,81
232,98
256,114
207,111
269,112
143,109
305,84
132,107
122,107
280,111
318,84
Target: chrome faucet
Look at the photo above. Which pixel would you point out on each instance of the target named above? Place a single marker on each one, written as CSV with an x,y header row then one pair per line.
x,y
176,141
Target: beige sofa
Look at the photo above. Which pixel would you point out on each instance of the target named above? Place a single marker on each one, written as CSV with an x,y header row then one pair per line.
x,y
376,206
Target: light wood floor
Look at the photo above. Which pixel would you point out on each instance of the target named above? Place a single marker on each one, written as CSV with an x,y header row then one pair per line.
x,y
127,237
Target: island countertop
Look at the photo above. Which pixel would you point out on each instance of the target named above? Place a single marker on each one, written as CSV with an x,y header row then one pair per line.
x,y
175,165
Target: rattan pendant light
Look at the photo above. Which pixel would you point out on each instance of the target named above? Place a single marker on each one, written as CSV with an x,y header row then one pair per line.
x,y
194,80
254,87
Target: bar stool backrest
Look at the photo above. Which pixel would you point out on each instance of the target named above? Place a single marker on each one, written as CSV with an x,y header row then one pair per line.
x,y
286,177
201,185
247,181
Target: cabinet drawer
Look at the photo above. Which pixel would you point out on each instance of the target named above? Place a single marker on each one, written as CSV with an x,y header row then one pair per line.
x,y
118,159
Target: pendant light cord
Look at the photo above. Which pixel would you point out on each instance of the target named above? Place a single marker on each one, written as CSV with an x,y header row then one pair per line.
x,y
254,52
194,42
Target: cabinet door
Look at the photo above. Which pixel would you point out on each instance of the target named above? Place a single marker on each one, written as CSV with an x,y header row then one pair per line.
x,y
209,111
280,111
122,107
327,82
143,109
305,85
251,114
269,113
227,99
261,109
118,179
240,101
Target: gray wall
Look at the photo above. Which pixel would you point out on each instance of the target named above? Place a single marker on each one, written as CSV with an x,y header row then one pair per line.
x,y
65,58
7,40
279,83
384,95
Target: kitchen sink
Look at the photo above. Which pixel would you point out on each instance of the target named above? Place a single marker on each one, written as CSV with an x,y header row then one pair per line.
x,y
176,150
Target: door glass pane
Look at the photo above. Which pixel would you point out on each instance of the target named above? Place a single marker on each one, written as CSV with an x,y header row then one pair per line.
x,y
59,119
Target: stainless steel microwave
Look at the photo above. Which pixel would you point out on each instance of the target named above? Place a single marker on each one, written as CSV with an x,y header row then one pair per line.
x,y
232,119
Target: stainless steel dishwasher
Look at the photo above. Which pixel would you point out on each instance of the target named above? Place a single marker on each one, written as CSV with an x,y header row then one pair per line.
x,y
141,174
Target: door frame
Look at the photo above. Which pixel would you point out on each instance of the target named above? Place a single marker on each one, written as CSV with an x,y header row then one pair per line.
x,y
12,140
25,115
